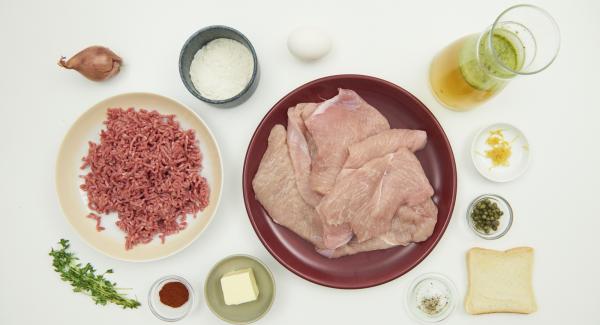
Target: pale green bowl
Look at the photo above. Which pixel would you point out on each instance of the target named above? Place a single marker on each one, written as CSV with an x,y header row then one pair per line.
x,y
244,313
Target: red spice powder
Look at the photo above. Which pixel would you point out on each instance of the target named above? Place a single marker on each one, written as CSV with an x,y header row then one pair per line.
x,y
174,294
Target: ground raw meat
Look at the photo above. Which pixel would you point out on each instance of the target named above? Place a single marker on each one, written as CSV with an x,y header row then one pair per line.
x,y
334,125
147,170
98,219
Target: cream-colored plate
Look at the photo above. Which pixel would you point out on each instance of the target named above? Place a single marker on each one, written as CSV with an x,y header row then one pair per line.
x,y
74,201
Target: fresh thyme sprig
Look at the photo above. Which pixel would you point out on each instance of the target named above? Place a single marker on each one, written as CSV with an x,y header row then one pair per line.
x,y
84,279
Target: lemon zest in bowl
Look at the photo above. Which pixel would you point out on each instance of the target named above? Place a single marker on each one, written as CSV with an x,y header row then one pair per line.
x,y
500,149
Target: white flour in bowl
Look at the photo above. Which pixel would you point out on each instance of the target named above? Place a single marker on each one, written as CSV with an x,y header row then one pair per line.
x,y
221,69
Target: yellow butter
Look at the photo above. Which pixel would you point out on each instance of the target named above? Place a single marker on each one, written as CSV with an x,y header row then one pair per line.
x,y
239,287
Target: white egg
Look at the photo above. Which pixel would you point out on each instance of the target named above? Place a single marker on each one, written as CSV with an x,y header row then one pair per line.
x,y
309,43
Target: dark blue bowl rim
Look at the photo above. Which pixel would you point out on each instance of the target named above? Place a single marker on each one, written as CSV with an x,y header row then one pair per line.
x,y
195,92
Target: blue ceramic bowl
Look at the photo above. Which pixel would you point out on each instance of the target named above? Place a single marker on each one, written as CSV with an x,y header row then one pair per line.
x,y
197,41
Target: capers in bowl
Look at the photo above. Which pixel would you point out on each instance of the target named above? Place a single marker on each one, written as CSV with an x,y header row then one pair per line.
x,y
490,216
486,216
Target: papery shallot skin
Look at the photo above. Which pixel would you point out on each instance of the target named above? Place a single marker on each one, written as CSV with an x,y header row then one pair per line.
x,y
96,63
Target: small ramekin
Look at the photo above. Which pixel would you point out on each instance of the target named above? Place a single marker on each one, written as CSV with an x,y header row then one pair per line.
x,y
506,219
166,313
196,42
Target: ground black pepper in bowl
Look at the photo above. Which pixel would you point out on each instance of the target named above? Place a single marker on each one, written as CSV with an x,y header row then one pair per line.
x,y
431,305
431,298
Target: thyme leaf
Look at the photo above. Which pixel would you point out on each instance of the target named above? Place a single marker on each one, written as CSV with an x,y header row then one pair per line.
x,y
85,279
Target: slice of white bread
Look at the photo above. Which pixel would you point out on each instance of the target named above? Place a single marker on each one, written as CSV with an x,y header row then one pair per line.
x,y
500,281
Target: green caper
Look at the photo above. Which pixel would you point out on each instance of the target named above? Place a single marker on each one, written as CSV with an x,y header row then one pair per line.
x,y
486,216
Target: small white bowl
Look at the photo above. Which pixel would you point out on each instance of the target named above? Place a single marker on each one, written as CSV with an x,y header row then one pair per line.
x,y
167,313
431,282
518,161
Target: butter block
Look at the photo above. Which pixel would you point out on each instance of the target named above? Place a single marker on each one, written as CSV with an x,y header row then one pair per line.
x,y
239,287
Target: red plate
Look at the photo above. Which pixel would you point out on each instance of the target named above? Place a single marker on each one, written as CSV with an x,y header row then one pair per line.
x,y
367,269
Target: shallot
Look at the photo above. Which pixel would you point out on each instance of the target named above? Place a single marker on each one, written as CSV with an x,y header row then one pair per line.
x,y
96,63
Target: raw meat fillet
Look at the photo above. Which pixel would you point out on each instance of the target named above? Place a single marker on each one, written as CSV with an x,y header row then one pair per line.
x,y
275,188
334,125
383,143
369,196
298,145
299,151
354,247
411,224
340,178
335,236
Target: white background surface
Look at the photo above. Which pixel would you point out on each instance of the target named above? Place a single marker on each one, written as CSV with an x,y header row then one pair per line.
x,y
555,202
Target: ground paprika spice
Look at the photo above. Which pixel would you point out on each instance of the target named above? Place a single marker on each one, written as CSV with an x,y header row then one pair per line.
x,y
174,294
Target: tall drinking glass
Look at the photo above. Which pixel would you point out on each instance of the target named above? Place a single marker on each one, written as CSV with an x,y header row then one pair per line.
x,y
523,40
